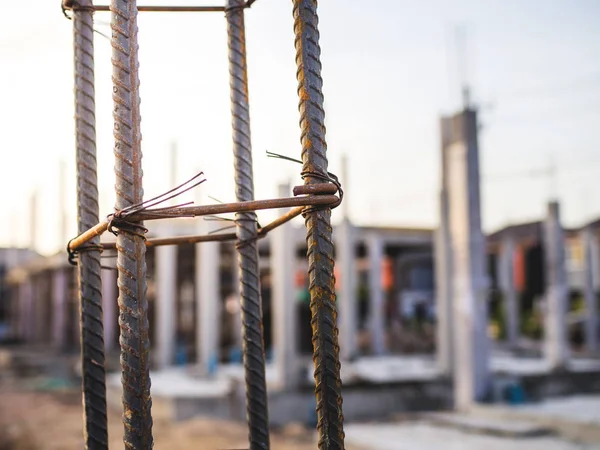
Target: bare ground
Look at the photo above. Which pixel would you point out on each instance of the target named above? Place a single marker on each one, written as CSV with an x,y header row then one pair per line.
x,y
53,421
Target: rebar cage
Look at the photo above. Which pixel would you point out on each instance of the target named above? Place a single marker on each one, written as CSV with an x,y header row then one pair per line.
x,y
314,200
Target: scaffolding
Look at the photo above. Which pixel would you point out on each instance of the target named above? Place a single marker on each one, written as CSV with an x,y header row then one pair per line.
x,y
314,200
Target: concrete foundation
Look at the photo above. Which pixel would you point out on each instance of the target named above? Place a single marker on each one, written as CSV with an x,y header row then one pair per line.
x,y
179,395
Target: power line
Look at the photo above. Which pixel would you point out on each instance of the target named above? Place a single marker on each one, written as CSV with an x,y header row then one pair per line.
x,y
588,81
552,170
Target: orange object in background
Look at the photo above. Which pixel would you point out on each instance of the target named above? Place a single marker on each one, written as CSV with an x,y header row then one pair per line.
x,y
336,274
300,280
387,274
519,268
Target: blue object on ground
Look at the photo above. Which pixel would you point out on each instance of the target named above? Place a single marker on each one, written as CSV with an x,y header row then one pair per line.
x,y
180,356
312,414
213,364
235,355
515,394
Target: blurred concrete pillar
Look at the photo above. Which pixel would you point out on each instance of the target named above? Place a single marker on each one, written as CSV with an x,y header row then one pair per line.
x,y
208,297
59,306
34,330
376,297
508,289
166,302
26,309
469,277
236,308
589,240
109,308
555,339
283,301
595,261
443,289
345,248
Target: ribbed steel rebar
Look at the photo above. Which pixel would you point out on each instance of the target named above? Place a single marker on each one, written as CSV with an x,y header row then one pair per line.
x,y
252,326
318,226
88,270
131,260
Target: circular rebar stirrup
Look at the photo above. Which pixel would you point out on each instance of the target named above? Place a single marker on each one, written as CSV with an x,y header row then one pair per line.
x,y
131,259
252,326
89,281
318,226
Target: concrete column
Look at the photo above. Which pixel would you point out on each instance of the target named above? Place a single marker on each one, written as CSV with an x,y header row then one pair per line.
x,y
345,237
443,289
507,286
59,306
284,304
237,314
30,311
469,278
595,262
109,307
591,306
166,307
25,309
208,296
376,297
555,339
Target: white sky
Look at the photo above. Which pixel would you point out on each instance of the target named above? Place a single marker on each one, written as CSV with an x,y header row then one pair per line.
x,y
388,75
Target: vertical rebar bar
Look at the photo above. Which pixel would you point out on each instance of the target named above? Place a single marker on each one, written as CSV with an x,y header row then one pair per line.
x,y
319,231
131,260
252,325
89,280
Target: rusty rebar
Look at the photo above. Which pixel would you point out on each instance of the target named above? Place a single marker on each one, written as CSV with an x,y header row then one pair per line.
x,y
207,210
318,226
178,240
257,414
131,259
89,281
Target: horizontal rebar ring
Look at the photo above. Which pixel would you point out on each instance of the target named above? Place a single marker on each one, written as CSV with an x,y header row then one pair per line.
x,y
316,189
177,240
151,8
207,210
104,8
